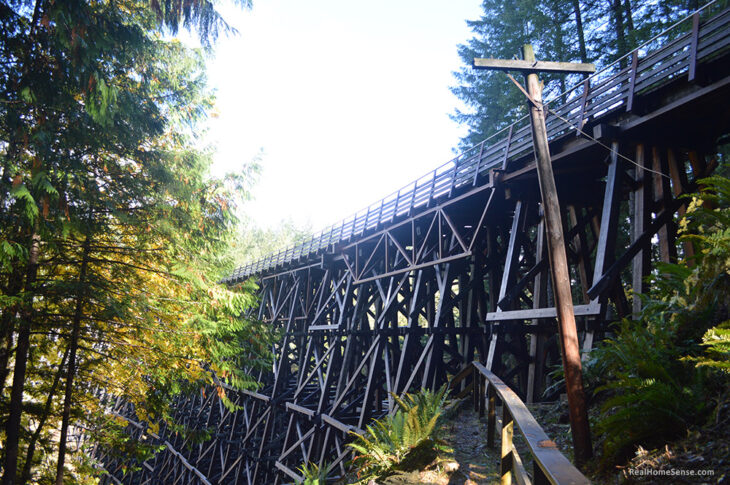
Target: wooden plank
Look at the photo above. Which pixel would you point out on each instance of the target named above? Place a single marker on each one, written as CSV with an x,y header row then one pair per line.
x,y
507,147
584,98
693,47
300,409
632,81
539,299
288,471
513,248
528,66
640,265
591,309
609,216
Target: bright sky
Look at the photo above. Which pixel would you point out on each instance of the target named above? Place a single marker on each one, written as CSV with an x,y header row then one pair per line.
x,y
347,101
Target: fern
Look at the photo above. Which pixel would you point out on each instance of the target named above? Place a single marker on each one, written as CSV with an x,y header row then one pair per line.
x,y
658,370
313,474
717,343
389,441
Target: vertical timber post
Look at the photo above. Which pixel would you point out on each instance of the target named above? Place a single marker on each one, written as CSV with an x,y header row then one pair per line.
x,y
559,270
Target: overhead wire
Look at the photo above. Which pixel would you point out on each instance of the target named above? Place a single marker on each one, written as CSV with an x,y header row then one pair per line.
x,y
543,106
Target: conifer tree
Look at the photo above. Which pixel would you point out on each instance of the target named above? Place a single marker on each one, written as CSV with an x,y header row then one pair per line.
x,y
110,225
598,31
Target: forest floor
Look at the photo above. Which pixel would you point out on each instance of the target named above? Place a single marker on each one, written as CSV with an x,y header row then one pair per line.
x,y
466,459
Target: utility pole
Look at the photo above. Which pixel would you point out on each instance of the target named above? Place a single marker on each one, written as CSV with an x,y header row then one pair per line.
x,y
556,242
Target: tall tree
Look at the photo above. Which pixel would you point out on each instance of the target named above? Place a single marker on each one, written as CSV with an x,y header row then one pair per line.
x,y
111,225
598,31
492,102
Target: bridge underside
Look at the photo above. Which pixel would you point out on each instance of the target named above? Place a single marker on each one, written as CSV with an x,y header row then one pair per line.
x,y
409,302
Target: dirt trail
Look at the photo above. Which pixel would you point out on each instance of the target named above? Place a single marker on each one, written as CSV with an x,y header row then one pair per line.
x,y
469,461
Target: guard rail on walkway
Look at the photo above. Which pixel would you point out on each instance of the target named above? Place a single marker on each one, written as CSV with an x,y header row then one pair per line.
x,y
549,465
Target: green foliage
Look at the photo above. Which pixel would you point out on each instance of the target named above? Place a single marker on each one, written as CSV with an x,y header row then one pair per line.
x,y
388,441
661,371
111,224
313,474
654,396
560,30
717,342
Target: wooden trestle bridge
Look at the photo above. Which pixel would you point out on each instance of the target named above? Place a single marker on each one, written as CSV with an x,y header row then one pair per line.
x,y
453,269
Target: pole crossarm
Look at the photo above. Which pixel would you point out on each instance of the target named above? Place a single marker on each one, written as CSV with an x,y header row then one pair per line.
x,y
528,67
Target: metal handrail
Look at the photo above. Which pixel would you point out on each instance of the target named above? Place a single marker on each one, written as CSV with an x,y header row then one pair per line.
x,y
549,464
611,89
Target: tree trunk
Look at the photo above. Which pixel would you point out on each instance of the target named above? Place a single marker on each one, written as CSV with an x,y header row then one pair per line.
x,y
629,15
7,327
12,428
73,347
581,33
618,18
25,477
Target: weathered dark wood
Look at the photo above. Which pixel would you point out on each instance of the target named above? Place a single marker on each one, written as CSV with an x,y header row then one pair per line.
x,y
691,74
539,295
583,102
559,271
632,81
640,219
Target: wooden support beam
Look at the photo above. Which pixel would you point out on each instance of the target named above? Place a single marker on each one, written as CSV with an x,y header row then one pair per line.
x,y
662,196
639,221
609,217
539,300
678,174
527,66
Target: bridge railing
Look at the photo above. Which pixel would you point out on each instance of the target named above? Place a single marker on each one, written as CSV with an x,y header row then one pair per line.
x,y
549,465
670,55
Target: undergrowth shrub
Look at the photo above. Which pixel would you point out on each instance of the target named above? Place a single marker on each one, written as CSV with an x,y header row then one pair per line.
x,y
663,372
313,474
390,441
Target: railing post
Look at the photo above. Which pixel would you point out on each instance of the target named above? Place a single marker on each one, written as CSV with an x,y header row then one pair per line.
x,y
507,459
583,104
692,71
491,414
479,162
395,207
538,476
482,384
367,219
632,80
507,147
433,188
453,177
475,390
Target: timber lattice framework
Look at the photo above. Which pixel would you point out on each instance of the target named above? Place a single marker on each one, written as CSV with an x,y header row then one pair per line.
x,y
453,267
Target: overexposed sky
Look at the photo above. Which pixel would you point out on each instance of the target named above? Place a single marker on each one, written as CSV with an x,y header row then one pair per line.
x,y
347,100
